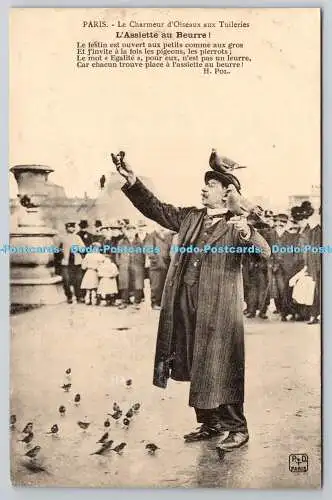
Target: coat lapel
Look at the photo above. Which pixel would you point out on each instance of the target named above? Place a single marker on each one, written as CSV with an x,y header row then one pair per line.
x,y
221,228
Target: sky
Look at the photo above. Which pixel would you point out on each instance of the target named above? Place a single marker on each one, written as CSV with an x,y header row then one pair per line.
x,y
265,116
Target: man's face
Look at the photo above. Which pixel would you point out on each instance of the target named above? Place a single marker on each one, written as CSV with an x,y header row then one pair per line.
x,y
280,224
213,194
71,229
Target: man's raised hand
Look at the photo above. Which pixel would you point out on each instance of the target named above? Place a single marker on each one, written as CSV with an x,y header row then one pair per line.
x,y
123,168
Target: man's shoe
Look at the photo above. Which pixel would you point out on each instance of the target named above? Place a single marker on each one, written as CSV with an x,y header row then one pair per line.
x,y
263,316
313,321
233,440
251,315
122,306
69,301
202,434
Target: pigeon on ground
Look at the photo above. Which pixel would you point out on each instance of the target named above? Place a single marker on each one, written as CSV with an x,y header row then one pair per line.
x,y
119,448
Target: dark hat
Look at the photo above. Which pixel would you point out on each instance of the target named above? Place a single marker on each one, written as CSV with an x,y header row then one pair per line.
x,y
98,223
225,178
141,223
70,224
83,224
268,213
282,217
115,224
130,225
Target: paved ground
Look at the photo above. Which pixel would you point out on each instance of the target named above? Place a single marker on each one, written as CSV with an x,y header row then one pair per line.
x,y
282,403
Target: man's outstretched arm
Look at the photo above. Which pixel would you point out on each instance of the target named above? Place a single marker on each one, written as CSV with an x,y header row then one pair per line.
x,y
147,203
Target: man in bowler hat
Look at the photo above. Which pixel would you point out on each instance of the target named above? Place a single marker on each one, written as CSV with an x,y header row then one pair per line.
x,y
200,334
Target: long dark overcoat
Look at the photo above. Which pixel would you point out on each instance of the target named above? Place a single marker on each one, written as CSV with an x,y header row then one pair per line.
x,y
131,266
217,374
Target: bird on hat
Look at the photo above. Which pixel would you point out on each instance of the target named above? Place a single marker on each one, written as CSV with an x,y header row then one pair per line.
x,y
221,168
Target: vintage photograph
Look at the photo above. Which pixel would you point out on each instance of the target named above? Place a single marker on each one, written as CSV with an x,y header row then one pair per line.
x,y
165,248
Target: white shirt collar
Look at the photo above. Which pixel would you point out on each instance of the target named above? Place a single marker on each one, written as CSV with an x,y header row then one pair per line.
x,y
216,211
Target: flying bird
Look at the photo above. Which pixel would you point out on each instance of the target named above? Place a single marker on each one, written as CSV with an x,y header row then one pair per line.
x,y
105,447
103,438
102,181
33,452
77,398
136,406
28,428
152,448
54,429
27,439
62,410
66,387
83,425
129,382
68,371
119,448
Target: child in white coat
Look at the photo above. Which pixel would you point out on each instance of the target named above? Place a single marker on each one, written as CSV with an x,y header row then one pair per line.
x,y
107,289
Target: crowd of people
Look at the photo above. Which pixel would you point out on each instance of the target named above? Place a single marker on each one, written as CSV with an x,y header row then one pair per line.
x,y
117,279
104,275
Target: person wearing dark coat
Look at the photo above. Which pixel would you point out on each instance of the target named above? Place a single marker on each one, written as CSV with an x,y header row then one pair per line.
x,y
84,234
200,334
159,263
131,267
313,262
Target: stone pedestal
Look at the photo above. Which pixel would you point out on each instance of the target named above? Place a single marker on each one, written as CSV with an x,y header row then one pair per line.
x,y
32,276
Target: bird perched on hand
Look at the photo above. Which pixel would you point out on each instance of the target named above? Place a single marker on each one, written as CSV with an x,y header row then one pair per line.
x,y
119,448
152,448
66,387
130,413
104,448
136,406
107,423
33,452
62,410
54,429
77,398
83,425
28,428
126,422
129,382
103,438
12,421
27,439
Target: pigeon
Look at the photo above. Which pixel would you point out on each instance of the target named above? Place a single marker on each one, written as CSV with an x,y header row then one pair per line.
x,y
130,413
33,452
152,448
116,415
126,422
129,382
27,439
12,421
68,371
54,429
77,398
62,410
26,202
116,407
222,163
66,387
83,425
28,428
107,423
103,438
34,467
102,181
104,448
136,406
119,448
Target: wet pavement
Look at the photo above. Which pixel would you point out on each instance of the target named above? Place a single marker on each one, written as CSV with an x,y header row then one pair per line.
x,y
104,347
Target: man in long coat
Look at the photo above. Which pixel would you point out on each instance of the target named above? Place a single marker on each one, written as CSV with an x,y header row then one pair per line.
x,y
131,267
200,335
